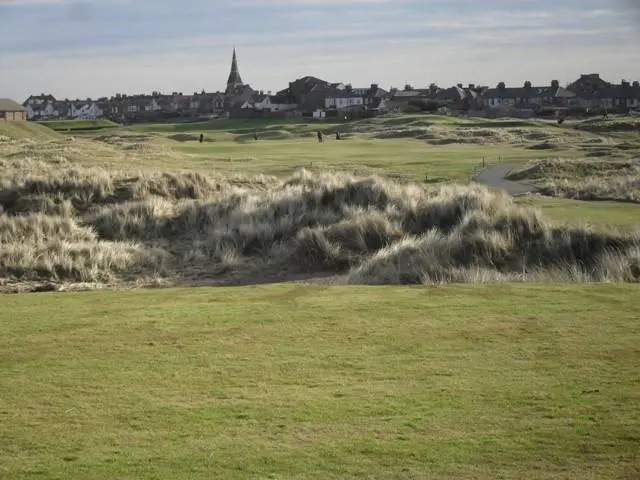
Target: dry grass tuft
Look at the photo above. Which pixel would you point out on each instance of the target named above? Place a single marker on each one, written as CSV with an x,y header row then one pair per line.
x,y
525,135
603,179
67,224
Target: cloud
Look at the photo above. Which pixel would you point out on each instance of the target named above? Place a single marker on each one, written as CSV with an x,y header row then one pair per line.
x,y
144,46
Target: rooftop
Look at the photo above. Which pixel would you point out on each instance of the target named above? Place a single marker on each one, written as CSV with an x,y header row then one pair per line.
x,y
8,105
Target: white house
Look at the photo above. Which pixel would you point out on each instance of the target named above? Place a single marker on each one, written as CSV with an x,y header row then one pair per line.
x,y
262,102
154,106
344,99
42,111
274,103
85,111
279,104
49,111
41,99
269,103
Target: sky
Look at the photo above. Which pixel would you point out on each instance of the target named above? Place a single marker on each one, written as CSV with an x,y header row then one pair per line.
x,y
94,48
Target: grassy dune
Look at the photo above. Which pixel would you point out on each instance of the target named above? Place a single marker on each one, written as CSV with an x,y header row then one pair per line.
x,y
311,382
69,224
595,179
105,211
16,131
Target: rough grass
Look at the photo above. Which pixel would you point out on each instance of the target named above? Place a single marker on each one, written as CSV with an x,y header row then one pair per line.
x,y
68,224
522,134
601,179
614,125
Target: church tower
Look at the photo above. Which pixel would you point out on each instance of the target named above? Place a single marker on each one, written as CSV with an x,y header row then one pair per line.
x,y
234,80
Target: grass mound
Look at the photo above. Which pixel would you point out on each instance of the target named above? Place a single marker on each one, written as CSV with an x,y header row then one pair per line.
x,y
188,137
270,134
26,130
122,138
45,247
546,145
601,179
519,134
68,224
71,125
600,125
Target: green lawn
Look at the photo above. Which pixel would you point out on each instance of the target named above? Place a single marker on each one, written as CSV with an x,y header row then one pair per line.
x,y
287,144
604,214
404,158
235,125
465,382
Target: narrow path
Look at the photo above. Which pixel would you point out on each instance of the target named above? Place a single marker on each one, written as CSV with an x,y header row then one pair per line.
x,y
495,177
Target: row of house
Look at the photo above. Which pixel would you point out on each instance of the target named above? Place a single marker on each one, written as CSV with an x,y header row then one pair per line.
x,y
588,92
311,96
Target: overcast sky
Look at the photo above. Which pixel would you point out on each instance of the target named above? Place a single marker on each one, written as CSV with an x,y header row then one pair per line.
x,y
99,47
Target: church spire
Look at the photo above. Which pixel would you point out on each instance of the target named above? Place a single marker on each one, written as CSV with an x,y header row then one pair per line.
x,y
234,77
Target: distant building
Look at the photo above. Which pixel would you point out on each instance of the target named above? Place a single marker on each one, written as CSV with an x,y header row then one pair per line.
x,y
309,93
237,92
234,82
349,98
41,99
591,91
400,99
11,111
528,96
346,99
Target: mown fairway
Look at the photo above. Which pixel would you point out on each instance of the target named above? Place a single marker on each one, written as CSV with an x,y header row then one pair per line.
x,y
285,145
279,382
407,159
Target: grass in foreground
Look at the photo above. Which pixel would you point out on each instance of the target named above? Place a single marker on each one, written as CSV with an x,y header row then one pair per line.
x,y
513,382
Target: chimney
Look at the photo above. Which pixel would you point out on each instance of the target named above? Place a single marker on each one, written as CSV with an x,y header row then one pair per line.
x,y
472,86
459,85
374,86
